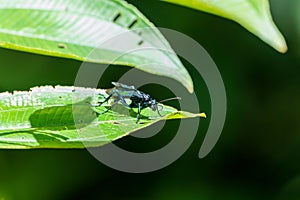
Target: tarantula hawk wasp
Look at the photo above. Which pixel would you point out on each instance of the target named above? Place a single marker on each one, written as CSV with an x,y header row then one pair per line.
x,y
139,99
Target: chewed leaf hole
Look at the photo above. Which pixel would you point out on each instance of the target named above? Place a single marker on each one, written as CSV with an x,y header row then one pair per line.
x,y
117,17
62,46
140,42
132,23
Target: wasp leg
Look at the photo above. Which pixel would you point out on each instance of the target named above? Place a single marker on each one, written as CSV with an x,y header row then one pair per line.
x,y
110,108
158,110
121,98
117,97
138,114
107,98
116,100
159,113
100,103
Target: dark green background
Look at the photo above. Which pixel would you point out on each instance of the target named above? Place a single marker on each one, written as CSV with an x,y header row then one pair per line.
x,y
257,156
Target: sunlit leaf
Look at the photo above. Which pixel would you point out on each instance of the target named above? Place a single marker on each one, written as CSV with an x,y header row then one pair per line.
x,y
75,28
66,117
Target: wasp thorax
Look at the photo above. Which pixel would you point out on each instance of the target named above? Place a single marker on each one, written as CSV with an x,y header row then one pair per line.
x,y
153,104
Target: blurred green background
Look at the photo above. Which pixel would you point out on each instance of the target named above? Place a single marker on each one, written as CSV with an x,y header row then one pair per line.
x,y
257,156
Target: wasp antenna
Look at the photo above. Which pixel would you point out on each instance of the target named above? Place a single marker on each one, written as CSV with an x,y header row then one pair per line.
x,y
173,98
159,112
159,107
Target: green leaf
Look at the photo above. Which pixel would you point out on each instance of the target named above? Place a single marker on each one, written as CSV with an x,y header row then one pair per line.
x,y
254,15
75,28
64,117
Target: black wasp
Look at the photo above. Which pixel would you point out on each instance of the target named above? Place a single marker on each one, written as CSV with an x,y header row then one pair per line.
x,y
139,100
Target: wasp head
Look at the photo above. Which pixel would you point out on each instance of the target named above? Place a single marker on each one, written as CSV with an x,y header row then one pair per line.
x,y
153,104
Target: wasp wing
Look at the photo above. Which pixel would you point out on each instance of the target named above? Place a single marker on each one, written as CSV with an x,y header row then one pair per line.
x,y
123,90
121,85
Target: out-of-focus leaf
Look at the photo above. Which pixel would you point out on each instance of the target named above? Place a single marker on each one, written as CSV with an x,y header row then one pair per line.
x,y
254,15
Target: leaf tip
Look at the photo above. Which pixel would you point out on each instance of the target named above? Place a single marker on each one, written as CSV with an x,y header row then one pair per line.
x,y
283,49
188,84
202,115
279,43
191,89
